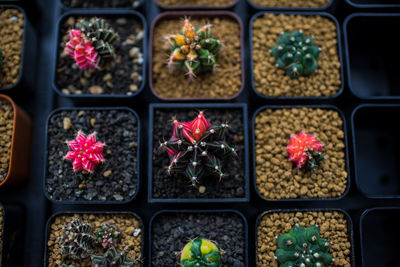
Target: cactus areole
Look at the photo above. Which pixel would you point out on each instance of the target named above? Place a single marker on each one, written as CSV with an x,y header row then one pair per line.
x,y
193,50
296,54
197,148
200,252
305,150
303,247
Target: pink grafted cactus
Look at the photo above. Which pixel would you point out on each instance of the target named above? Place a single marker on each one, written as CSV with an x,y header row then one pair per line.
x,y
82,50
86,153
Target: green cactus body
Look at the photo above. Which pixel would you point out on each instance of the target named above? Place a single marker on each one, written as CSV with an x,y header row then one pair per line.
x,y
296,54
112,258
77,240
200,252
303,247
193,50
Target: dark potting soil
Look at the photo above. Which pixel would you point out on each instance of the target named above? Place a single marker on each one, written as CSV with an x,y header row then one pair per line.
x,y
171,232
179,186
101,3
123,77
116,179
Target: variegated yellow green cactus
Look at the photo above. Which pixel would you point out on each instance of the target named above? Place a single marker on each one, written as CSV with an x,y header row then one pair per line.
x,y
200,252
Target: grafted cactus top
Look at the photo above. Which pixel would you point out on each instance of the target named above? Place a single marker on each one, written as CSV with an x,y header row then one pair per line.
x,y
200,252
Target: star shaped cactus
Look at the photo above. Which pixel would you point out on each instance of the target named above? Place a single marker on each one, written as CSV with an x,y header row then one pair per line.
x,y
200,252
296,54
193,50
197,149
92,44
305,150
303,247
85,152
108,235
113,258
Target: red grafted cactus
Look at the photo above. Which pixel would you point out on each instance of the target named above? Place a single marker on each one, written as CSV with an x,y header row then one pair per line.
x,y
85,152
197,148
305,150
81,50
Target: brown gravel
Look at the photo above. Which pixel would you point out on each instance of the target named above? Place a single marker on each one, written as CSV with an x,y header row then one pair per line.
x,y
6,129
1,233
225,82
276,178
127,224
196,2
333,226
270,81
291,3
11,32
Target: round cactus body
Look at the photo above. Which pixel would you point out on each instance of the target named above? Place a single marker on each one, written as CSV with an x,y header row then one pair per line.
x,y
108,235
303,247
200,252
296,54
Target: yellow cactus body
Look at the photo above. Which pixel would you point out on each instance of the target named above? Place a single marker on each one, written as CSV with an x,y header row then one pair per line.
x,y
178,55
192,55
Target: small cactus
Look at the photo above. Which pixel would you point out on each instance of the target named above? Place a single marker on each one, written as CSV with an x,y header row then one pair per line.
x,y
305,150
296,54
112,258
197,148
303,247
86,153
193,50
77,240
200,252
92,44
108,235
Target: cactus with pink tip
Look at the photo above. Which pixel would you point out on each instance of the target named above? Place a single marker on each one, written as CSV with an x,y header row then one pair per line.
x,y
193,50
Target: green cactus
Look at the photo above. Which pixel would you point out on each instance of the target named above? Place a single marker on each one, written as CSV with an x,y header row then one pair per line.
x,y
200,252
296,54
77,240
112,258
303,247
193,50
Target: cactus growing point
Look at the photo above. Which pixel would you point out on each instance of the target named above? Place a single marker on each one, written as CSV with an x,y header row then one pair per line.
x,y
200,252
108,235
193,50
296,54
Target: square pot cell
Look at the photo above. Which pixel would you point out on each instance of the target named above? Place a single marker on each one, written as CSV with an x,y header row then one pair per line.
x,y
100,3
195,4
292,4
380,234
170,231
374,3
376,154
372,62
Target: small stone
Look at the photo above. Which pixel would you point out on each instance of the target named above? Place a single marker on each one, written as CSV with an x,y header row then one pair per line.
x,y
107,77
107,173
202,189
65,91
134,52
136,232
133,87
84,82
121,21
96,90
67,123
81,186
135,76
92,121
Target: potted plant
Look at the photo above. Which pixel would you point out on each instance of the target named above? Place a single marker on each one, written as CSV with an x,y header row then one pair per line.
x,y
296,4
15,132
327,237
299,57
300,153
195,4
94,239
205,56
188,157
92,155
68,4
221,236
100,54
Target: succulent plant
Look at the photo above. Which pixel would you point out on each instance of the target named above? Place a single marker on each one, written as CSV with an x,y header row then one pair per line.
x,y
108,235
112,258
86,153
303,247
77,240
92,44
193,50
200,252
305,150
197,148
296,54
66,265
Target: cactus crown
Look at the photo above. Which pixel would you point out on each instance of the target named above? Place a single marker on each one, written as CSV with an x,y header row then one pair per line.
x,y
303,247
77,240
197,148
305,150
296,54
193,50
200,252
108,235
112,258
92,44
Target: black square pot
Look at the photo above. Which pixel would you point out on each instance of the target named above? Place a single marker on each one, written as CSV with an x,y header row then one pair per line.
x,y
376,145
371,64
380,235
283,7
243,155
374,3
180,226
67,8
196,7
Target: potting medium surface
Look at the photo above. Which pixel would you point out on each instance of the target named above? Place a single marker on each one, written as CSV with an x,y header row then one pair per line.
x,y
291,3
6,132
198,3
101,3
